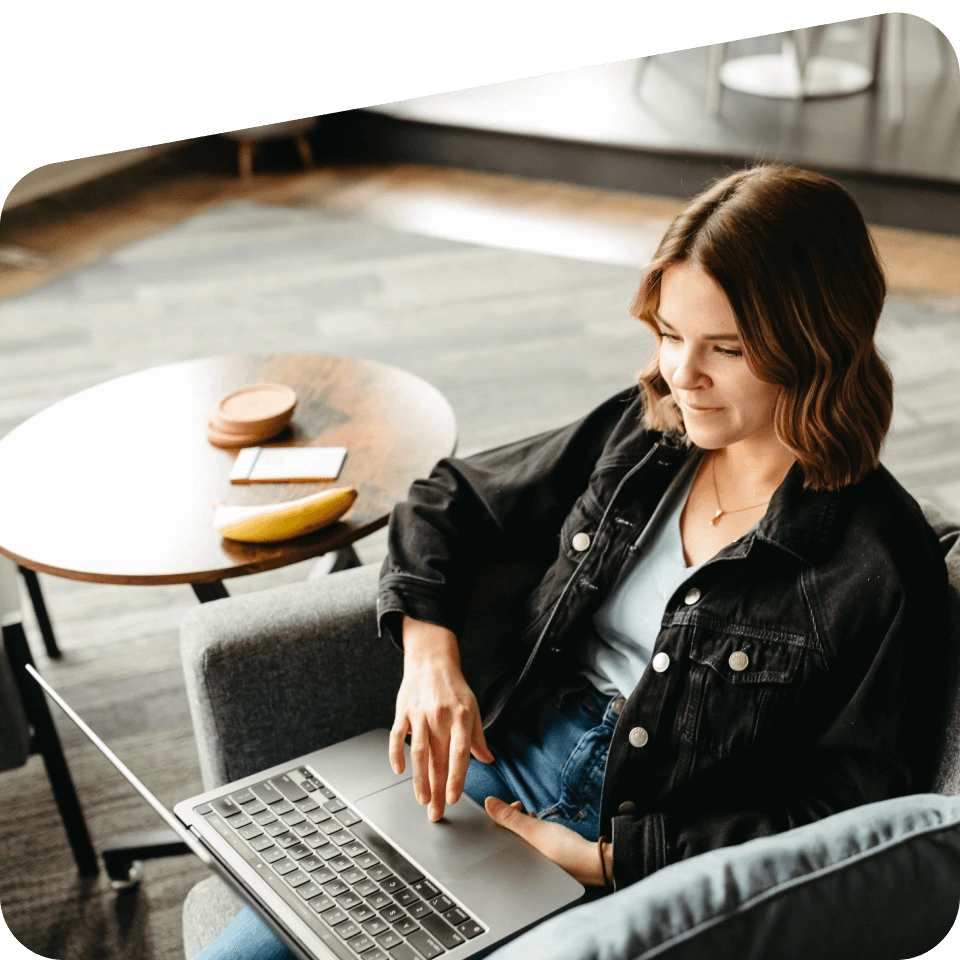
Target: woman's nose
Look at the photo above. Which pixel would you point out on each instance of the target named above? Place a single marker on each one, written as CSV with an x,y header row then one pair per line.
x,y
688,373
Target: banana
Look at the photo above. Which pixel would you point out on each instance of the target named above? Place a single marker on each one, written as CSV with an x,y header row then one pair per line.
x,y
281,521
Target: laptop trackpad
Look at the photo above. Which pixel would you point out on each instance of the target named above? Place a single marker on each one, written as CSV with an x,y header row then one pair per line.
x,y
447,849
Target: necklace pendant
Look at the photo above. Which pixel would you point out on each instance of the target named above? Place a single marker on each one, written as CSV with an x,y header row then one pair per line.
x,y
716,518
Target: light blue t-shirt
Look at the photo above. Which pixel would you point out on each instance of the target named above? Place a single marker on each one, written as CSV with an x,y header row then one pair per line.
x,y
627,624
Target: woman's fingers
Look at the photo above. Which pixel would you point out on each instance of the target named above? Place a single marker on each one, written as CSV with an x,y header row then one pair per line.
x,y
420,760
439,766
478,744
459,761
397,734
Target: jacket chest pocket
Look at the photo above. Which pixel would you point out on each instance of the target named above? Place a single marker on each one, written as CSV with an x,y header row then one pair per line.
x,y
580,527
739,687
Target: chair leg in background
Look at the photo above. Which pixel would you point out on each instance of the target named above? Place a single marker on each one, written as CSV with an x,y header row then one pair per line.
x,y
714,61
40,612
46,742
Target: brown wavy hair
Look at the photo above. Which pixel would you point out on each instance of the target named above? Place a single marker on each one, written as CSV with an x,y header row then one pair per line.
x,y
791,251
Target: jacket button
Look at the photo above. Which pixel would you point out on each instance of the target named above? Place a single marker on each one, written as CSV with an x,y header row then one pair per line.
x,y
617,705
627,807
638,737
693,595
661,661
581,541
739,661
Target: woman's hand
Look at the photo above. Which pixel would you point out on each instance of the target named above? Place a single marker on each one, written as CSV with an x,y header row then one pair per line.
x,y
440,711
565,847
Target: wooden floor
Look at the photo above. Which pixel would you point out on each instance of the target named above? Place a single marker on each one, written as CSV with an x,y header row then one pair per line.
x,y
566,220
121,666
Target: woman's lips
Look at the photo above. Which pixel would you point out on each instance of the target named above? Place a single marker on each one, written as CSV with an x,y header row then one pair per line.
x,y
690,406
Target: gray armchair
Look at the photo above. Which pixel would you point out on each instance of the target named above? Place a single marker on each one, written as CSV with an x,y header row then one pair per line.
x,y
274,675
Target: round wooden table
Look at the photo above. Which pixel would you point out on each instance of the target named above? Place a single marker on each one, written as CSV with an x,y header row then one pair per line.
x,y
117,484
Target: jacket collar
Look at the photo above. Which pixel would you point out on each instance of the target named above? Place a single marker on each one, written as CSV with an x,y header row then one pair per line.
x,y
797,520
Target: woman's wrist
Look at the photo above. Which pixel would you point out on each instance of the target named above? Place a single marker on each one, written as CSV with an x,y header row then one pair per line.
x,y
428,642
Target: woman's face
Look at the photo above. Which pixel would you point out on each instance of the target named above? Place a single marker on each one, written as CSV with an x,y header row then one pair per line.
x,y
721,400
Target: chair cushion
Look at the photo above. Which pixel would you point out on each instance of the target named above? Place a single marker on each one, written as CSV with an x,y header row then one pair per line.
x,y
209,907
879,881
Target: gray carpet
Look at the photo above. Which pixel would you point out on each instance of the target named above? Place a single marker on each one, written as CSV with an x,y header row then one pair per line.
x,y
518,342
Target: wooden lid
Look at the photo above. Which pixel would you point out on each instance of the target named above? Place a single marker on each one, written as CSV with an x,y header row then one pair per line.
x,y
255,405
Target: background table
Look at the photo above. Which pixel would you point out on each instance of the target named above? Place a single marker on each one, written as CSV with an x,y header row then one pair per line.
x,y
117,484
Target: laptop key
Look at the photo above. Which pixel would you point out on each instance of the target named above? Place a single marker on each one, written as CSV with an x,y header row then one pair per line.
x,y
304,829
375,926
362,912
392,913
316,840
273,855
406,926
349,899
330,826
298,851
275,829
323,875
284,806
470,929
389,939
341,863
402,867
400,952
251,831
334,916
286,840
354,848
239,820
318,816
442,930
365,887
288,788
284,866
309,786
426,889
267,792
455,917
203,809
418,909
353,875
265,817
379,900
405,896
296,877
348,818
379,871
342,838
442,904
226,807
330,851
309,890
261,844
326,792
336,887
307,805
244,796
251,809
377,954
426,944
361,943
392,884
333,806
321,903
293,817
347,930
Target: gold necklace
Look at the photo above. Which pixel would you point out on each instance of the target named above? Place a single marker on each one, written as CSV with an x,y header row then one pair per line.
x,y
720,511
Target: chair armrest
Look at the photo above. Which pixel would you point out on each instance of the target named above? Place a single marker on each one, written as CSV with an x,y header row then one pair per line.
x,y
273,675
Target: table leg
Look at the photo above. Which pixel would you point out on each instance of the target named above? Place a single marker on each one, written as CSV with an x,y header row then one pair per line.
x,y
210,591
40,611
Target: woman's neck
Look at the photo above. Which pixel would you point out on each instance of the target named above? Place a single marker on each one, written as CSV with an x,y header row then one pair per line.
x,y
753,469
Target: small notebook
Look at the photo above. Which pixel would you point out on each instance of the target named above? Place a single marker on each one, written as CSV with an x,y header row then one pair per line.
x,y
287,464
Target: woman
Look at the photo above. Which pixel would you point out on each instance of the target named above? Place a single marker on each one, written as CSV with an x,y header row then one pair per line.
x,y
726,618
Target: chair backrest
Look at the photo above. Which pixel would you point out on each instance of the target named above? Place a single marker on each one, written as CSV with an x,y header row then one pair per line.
x,y
948,775
14,728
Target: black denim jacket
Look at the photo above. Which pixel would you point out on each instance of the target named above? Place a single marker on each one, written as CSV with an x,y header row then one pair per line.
x,y
806,659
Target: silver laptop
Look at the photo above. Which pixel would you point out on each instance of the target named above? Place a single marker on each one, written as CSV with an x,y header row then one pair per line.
x,y
336,856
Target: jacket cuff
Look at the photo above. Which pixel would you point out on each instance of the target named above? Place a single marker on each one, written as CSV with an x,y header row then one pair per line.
x,y
401,594
639,848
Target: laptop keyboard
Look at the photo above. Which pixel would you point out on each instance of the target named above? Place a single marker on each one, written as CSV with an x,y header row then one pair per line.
x,y
350,885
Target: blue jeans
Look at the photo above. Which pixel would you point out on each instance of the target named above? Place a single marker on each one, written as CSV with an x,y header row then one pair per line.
x,y
552,760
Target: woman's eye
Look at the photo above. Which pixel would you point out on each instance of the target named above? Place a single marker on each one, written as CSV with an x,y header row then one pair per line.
x,y
723,352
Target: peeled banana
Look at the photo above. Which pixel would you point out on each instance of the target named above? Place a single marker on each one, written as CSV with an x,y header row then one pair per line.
x,y
281,521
